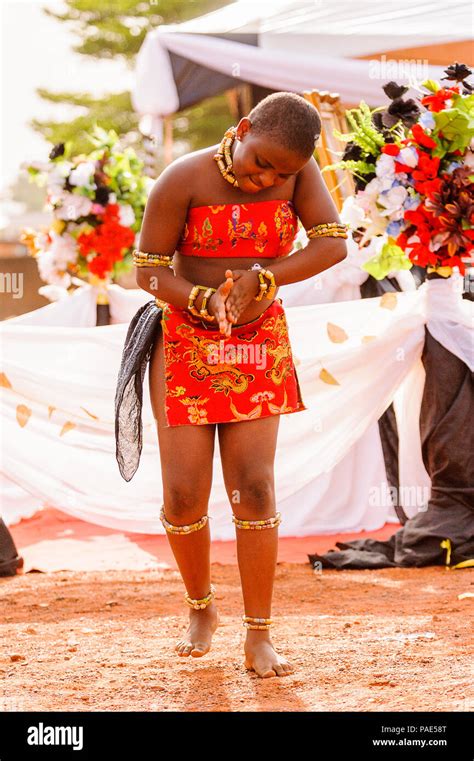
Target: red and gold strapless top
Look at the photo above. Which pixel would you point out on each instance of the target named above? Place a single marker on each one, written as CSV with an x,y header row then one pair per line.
x,y
256,229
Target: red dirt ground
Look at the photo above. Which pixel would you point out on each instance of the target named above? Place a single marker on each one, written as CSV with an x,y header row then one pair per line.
x,y
387,640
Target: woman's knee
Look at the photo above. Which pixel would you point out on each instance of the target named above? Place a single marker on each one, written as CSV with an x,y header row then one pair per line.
x,y
186,503
255,496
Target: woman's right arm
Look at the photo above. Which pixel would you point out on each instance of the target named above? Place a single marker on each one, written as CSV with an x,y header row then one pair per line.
x,y
163,224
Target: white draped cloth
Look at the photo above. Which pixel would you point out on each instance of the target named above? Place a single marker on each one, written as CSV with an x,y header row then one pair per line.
x,y
58,378
155,90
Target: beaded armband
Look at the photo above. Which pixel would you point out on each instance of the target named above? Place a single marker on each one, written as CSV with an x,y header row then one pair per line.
x,y
143,259
327,230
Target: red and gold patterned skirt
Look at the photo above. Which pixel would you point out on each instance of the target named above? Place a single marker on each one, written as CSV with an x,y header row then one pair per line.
x,y
214,379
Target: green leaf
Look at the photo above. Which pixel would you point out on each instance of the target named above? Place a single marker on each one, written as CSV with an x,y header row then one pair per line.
x,y
431,85
355,167
391,258
457,126
465,104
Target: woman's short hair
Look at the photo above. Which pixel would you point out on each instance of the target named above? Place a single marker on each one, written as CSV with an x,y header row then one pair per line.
x,y
289,119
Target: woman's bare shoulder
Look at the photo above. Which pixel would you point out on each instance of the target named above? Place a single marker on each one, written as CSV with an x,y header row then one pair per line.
x,y
188,163
185,174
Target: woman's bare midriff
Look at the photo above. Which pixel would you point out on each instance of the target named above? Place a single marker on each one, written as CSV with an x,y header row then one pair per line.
x,y
211,272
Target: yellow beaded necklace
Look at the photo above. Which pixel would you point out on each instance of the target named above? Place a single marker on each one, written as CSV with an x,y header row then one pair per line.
x,y
223,157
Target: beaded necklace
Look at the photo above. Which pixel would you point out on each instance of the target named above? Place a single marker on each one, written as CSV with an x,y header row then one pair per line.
x,y
223,157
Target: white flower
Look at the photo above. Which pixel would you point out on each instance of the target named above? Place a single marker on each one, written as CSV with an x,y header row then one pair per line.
x,y
126,215
55,256
56,194
48,271
427,120
112,198
469,158
63,247
385,165
83,174
352,213
408,156
73,207
40,166
60,171
393,201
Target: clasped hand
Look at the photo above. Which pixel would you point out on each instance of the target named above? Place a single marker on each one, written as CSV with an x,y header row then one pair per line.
x,y
232,297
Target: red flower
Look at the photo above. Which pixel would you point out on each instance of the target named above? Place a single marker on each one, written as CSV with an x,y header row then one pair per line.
x,y
391,149
107,241
399,167
427,169
428,188
421,138
437,101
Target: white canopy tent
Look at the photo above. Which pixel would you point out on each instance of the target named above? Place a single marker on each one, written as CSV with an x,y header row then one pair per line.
x,y
297,45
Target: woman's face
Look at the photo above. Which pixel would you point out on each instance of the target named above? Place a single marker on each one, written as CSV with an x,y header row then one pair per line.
x,y
260,163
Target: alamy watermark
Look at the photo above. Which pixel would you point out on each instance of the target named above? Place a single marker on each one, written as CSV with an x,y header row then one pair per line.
x,y
411,69
49,735
255,354
12,282
408,496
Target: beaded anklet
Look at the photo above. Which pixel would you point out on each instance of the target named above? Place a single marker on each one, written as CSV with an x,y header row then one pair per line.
x,y
203,602
257,623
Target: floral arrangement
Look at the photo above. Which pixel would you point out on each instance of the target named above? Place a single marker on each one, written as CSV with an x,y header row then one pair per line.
x,y
413,168
97,201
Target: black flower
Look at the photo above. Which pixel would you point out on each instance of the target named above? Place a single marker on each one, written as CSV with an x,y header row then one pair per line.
x,y
457,72
406,111
379,126
57,150
361,182
392,90
102,195
352,152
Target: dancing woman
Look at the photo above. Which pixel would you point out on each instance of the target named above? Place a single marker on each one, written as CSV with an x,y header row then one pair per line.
x,y
213,222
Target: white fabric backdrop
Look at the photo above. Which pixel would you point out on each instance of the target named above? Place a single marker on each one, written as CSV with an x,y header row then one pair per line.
x,y
327,493
154,90
302,45
58,387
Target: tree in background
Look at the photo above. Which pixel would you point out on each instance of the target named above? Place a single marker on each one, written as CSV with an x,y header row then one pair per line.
x,y
112,29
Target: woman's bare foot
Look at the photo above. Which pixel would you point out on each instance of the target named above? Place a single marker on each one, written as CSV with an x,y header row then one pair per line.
x,y
261,657
202,625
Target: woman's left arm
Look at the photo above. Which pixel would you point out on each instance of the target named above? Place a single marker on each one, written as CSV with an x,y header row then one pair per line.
x,y
314,205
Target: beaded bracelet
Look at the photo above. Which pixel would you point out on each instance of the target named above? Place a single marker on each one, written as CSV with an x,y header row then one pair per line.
x,y
327,229
202,313
265,290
